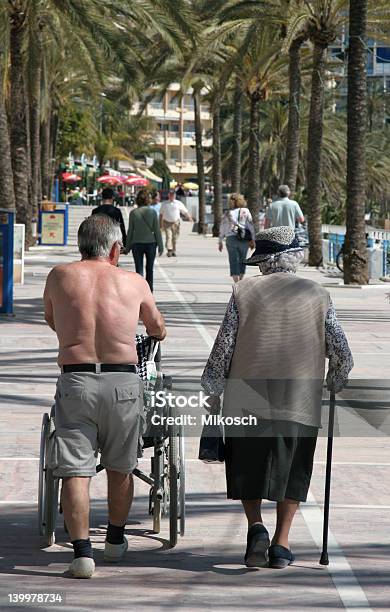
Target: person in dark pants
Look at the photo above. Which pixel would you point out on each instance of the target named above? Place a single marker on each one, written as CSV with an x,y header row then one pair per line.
x,y
144,236
237,219
268,361
107,208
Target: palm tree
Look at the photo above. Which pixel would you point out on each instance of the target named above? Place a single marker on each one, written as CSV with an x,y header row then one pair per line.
x,y
217,165
237,136
241,14
18,114
7,194
262,70
34,86
323,20
252,28
197,95
198,70
314,152
294,118
355,254
103,34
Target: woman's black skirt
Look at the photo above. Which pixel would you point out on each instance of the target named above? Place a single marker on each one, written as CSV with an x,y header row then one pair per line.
x,y
274,462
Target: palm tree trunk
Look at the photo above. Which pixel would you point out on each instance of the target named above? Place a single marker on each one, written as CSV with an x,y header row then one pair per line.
x,y
217,168
7,193
45,157
35,142
314,150
200,161
18,121
253,189
355,253
237,137
294,120
54,122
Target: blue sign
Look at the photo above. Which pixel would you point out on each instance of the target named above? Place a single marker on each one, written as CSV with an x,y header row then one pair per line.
x,y
6,262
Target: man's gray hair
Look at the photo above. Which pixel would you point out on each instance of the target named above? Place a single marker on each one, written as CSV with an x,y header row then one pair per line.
x,y
97,235
284,191
281,262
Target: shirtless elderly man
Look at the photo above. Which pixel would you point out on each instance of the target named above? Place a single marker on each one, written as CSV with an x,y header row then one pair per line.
x,y
94,308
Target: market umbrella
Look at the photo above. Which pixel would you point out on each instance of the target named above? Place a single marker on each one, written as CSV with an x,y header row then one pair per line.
x,y
69,177
137,181
191,186
172,184
112,180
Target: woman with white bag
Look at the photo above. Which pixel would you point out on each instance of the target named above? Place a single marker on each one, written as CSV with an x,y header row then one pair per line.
x,y
238,230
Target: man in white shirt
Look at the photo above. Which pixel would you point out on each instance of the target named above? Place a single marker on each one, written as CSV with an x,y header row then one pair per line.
x,y
170,213
283,211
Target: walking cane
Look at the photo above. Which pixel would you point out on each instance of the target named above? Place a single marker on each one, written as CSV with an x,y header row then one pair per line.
x,y
324,555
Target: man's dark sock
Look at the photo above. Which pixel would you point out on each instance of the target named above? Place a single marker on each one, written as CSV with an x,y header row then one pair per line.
x,y
115,534
82,548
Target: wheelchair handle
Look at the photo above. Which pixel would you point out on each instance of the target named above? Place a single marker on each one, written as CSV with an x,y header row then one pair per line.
x,y
155,350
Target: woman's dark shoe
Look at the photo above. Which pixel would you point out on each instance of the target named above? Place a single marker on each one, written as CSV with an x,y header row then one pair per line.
x,y
279,556
257,546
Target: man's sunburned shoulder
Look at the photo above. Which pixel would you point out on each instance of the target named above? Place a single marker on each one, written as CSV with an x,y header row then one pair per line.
x,y
131,276
62,269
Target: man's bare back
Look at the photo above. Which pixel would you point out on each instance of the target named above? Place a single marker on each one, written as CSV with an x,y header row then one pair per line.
x,y
94,307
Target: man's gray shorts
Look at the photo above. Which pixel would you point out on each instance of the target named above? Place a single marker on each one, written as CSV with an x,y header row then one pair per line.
x,y
96,412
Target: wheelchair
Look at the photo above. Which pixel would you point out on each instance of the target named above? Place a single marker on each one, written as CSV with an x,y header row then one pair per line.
x,y
166,478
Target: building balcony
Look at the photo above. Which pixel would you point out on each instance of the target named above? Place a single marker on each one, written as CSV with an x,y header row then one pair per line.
x,y
173,140
156,112
381,70
190,141
182,168
159,138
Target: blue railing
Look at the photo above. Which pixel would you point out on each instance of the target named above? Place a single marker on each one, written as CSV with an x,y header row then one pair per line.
x,y
336,241
386,247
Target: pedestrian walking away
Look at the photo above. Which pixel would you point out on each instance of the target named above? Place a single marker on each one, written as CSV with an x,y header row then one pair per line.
x,y
283,211
170,214
155,203
107,207
269,362
94,307
144,236
179,192
238,230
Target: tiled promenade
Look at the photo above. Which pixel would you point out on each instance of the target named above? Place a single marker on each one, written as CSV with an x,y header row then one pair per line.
x,y
205,570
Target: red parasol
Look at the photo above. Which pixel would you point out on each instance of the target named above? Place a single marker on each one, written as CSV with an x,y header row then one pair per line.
x,y
112,180
69,177
137,181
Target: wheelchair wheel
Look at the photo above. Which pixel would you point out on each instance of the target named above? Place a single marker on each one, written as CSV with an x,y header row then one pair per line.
x,y
182,481
173,473
340,260
156,491
42,453
156,516
47,487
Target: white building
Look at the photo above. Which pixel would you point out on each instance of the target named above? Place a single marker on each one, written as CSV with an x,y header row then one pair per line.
x,y
175,131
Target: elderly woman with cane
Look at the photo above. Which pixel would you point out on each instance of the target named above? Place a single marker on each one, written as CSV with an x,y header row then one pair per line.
x,y
269,361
